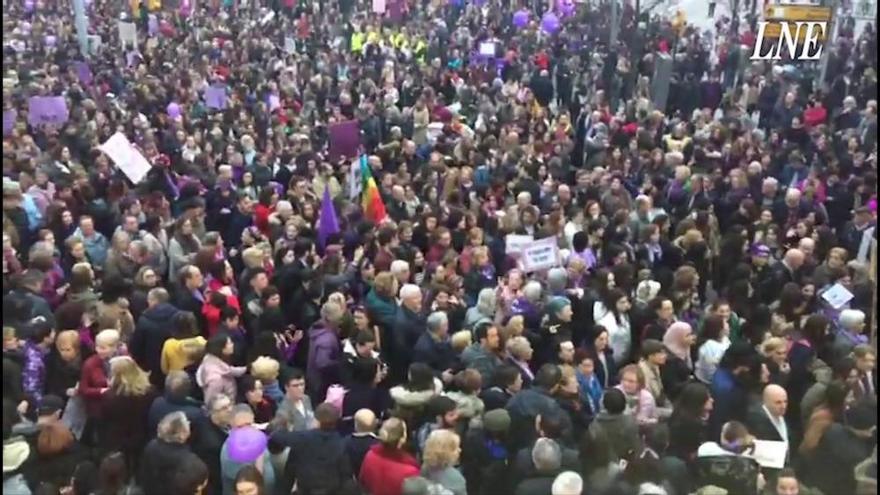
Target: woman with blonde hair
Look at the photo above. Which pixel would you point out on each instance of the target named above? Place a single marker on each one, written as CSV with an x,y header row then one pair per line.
x,y
387,463
775,352
380,301
64,364
126,405
442,452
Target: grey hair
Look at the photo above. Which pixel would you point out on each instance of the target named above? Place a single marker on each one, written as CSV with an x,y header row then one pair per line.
x,y
399,266
213,404
533,290
410,290
173,428
177,380
557,280
241,409
159,294
567,483
331,312
436,320
486,301
546,455
516,346
850,318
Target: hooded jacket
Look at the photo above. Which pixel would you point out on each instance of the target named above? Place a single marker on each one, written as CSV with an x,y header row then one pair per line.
x,y
325,353
216,376
621,431
152,330
408,403
384,470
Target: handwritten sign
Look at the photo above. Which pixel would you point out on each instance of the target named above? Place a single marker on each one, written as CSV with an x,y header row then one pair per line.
x,y
127,33
126,157
215,97
837,296
487,49
514,244
47,110
770,454
540,255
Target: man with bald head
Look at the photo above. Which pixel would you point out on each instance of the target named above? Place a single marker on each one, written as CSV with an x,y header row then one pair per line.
x,y
767,420
786,271
359,443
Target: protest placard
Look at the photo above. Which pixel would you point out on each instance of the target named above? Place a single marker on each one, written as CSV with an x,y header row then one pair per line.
x,y
127,33
514,244
84,72
47,110
354,179
378,6
540,255
837,296
8,121
215,97
126,157
289,45
770,454
345,139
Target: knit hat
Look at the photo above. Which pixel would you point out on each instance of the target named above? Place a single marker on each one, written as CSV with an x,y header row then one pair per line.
x,y
496,421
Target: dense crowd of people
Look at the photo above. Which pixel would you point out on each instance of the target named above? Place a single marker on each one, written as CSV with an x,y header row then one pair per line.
x,y
272,311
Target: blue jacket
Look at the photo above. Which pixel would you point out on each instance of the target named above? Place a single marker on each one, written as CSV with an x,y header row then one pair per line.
x,y
438,355
382,311
731,401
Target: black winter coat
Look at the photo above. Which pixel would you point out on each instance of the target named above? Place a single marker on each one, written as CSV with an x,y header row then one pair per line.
x,y
152,330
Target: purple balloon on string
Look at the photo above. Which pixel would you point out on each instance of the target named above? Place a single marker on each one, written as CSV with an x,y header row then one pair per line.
x,y
521,18
566,7
246,444
550,23
173,110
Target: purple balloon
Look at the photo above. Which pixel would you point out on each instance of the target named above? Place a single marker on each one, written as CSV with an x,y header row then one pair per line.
x,y
29,5
521,18
246,444
550,23
173,110
566,8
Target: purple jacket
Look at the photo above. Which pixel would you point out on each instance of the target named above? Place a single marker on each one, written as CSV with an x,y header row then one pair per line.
x,y
34,372
324,357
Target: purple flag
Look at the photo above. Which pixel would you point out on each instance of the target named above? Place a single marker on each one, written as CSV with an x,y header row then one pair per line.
x,y
344,140
84,72
215,97
8,121
44,110
328,224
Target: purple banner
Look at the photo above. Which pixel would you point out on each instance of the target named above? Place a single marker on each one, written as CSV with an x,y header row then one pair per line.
x,y
51,110
8,121
345,139
84,72
215,97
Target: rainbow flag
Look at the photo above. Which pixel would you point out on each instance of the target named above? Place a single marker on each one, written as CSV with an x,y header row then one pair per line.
x,y
371,200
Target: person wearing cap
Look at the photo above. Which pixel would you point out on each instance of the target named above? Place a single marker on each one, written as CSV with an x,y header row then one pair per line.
x,y
485,452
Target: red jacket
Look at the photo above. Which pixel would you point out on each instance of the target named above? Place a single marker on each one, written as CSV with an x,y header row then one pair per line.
x,y
92,380
261,218
814,116
384,470
212,315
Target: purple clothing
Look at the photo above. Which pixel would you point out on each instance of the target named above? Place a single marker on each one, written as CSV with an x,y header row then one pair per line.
x,y
34,371
324,357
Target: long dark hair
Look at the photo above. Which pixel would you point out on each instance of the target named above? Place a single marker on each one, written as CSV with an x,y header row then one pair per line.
x,y
692,400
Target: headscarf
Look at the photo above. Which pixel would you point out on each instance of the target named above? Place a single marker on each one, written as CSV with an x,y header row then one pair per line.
x,y
672,341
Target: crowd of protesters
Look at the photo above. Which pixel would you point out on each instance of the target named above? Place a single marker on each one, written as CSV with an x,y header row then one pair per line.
x,y
206,331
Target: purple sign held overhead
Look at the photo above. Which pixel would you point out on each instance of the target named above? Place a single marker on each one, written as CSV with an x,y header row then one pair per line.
x,y
215,97
8,121
345,139
47,110
84,72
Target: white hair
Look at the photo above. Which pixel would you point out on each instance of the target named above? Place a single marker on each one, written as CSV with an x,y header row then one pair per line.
x,y
436,320
568,483
486,301
546,455
524,195
532,290
410,290
284,205
173,428
399,266
518,346
850,319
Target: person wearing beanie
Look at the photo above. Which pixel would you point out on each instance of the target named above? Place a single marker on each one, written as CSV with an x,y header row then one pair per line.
x,y
555,328
485,453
